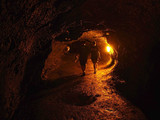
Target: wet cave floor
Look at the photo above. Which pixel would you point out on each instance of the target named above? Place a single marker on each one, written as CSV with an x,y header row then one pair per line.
x,y
72,97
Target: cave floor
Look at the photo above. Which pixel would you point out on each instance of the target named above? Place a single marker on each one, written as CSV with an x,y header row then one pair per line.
x,y
72,97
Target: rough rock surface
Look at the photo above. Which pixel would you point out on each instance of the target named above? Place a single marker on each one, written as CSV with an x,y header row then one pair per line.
x,y
27,28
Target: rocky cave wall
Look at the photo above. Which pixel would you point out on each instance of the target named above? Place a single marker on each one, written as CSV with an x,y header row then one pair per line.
x,y
26,30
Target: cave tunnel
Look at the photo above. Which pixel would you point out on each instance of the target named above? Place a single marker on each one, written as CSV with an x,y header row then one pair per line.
x,y
62,60
40,79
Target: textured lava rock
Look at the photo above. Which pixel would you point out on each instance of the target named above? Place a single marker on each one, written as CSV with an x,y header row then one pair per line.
x,y
26,33
28,27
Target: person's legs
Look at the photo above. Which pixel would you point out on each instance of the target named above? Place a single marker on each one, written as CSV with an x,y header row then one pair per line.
x,y
95,67
83,67
94,61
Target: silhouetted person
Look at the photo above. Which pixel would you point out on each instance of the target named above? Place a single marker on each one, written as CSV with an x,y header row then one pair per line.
x,y
83,56
95,55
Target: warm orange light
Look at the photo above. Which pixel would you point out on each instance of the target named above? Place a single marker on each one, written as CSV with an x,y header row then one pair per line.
x,y
109,49
107,33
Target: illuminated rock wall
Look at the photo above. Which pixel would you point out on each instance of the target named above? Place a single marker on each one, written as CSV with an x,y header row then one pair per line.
x,y
137,26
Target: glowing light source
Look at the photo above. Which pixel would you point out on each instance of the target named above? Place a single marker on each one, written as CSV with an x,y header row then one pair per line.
x,y
109,49
107,33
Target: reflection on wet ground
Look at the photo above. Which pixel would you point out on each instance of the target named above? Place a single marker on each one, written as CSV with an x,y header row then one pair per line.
x,y
68,96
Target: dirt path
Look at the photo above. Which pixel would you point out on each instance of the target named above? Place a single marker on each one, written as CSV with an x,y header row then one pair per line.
x,y
92,97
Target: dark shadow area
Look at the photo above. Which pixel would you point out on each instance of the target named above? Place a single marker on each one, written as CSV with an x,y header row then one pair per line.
x,y
78,99
147,97
149,100
52,84
45,89
60,81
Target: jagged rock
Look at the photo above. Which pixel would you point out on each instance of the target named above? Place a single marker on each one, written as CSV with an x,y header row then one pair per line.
x,y
27,29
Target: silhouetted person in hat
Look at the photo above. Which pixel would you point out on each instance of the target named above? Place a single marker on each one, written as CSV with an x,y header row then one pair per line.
x,y
95,55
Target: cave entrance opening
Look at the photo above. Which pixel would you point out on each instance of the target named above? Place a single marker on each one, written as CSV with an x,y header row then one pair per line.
x,y
61,61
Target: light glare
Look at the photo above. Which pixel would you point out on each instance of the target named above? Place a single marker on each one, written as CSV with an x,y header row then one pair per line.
x,y
109,49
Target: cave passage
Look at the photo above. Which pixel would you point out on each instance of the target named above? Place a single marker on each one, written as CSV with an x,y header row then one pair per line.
x,y
61,61
72,97
40,79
